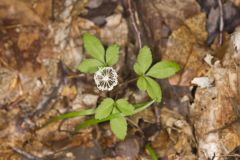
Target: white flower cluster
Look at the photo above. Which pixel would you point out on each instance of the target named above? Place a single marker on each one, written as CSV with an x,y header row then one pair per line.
x,y
106,78
235,38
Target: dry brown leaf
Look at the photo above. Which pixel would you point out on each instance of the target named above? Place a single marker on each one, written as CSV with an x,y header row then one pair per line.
x,y
236,2
20,11
14,82
185,46
26,39
175,12
44,9
162,143
180,134
146,115
69,91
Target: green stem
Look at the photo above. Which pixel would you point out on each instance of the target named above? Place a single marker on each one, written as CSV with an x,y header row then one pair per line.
x,y
86,112
94,121
141,108
151,152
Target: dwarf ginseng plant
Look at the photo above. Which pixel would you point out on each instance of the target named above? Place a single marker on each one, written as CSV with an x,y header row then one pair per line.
x,y
105,76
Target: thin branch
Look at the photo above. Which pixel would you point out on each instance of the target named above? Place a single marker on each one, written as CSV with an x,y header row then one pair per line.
x,y
224,127
221,24
134,23
25,154
129,81
76,76
232,155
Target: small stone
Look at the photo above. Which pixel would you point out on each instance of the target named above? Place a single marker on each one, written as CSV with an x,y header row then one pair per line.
x,y
203,82
90,99
99,20
235,38
114,20
94,3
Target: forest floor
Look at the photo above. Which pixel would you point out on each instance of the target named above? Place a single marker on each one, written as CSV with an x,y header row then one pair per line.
x,y
41,46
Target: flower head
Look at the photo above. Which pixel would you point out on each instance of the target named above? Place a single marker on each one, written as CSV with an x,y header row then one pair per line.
x,y
106,78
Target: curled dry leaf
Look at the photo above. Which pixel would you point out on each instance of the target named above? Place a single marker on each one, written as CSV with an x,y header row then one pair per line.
x,y
176,134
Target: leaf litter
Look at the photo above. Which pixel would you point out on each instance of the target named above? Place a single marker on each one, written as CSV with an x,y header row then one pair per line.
x,y
41,45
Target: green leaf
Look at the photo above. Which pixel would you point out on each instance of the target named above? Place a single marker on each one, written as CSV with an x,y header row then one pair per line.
x,y
112,54
144,60
94,121
153,89
119,127
164,69
142,83
137,69
89,65
104,109
151,152
94,47
125,107
115,110
71,115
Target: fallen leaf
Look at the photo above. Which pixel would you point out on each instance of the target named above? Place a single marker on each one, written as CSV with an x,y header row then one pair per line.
x,y
185,47
26,39
43,8
20,11
231,18
69,91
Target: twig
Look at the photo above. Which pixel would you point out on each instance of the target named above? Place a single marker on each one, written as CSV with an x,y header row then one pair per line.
x,y
25,154
129,81
53,92
75,76
185,64
221,24
231,155
134,24
213,157
224,127
53,11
